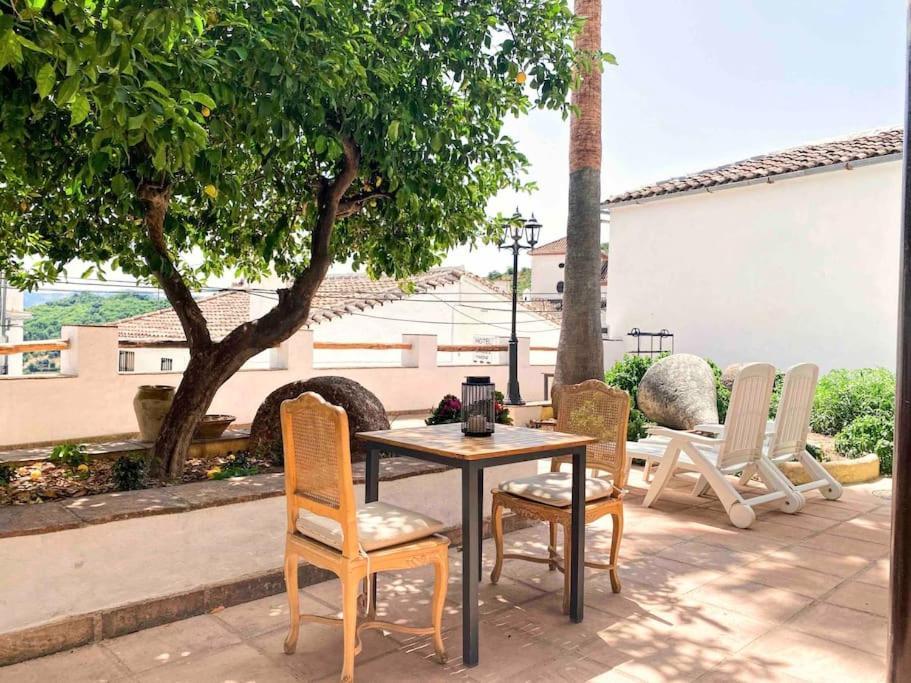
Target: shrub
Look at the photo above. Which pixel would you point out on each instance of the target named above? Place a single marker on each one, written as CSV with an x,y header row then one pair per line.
x,y
6,473
128,473
237,465
626,374
868,434
449,411
637,427
722,393
845,395
69,455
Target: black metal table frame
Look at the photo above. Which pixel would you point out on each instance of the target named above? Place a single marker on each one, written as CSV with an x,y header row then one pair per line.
x,y
473,520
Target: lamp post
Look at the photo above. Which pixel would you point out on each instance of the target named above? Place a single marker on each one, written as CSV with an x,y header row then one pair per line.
x,y
511,240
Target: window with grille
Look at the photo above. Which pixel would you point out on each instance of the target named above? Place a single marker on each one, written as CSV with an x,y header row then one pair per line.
x,y
126,361
167,364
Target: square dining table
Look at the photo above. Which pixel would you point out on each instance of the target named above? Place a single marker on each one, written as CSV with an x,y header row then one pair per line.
x,y
445,444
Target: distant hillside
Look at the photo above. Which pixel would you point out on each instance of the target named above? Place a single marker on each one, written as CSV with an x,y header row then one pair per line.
x,y
86,308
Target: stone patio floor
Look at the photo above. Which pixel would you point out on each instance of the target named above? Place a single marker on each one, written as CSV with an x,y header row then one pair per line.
x,y
796,598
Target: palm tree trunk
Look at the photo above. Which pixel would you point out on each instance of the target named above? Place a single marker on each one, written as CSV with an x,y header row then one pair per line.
x,y
580,354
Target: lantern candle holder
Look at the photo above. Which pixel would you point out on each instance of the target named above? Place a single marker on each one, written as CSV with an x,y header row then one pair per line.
x,y
479,406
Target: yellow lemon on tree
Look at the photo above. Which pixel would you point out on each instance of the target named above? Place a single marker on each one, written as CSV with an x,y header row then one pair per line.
x,y
211,190
206,112
82,468
521,77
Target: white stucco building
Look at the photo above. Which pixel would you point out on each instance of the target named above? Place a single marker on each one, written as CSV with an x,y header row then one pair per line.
x,y
12,332
548,273
457,307
786,257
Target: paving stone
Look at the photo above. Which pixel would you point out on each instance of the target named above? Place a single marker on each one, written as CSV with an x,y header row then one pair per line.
x,y
237,663
155,647
863,597
87,664
841,625
22,520
109,507
205,494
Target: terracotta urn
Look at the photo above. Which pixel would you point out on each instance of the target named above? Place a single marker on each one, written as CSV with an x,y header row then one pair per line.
x,y
151,403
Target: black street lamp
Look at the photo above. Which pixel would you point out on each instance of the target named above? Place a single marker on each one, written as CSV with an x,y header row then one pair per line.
x,y
511,239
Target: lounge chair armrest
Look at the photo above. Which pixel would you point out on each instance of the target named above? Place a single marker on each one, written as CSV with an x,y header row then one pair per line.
x,y
689,436
709,428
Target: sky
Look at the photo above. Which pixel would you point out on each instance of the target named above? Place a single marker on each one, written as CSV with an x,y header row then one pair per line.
x,y
702,83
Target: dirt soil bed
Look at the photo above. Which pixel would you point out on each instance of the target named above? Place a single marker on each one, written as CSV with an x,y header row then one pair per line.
x,y
45,481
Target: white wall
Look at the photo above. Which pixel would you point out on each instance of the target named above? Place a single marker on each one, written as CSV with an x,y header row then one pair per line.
x,y
457,313
90,398
803,269
545,274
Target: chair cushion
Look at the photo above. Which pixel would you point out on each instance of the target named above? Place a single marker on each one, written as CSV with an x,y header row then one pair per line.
x,y
555,488
379,525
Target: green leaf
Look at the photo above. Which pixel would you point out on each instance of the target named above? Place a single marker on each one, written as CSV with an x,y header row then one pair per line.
x,y
79,109
10,48
203,99
67,89
46,80
157,87
135,122
392,133
58,6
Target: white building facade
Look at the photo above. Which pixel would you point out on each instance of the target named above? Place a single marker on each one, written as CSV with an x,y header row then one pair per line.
x,y
11,327
548,274
785,258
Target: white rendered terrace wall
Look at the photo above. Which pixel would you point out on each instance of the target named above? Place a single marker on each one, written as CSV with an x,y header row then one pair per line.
x,y
90,398
803,269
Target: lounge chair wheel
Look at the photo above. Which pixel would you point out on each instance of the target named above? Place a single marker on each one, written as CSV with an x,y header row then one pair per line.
x,y
793,502
832,492
742,516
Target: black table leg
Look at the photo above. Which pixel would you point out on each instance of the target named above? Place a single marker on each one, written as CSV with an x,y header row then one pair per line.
x,y
471,570
372,494
480,520
372,476
577,559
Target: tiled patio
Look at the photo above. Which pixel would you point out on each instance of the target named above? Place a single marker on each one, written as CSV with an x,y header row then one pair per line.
x,y
795,598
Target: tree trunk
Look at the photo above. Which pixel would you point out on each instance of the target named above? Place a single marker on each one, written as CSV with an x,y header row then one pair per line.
x,y
206,371
580,354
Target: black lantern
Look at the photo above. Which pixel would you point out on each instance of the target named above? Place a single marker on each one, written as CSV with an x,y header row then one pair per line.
x,y
479,406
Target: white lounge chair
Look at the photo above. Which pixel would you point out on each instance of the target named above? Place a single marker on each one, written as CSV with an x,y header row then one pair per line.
x,y
787,440
740,446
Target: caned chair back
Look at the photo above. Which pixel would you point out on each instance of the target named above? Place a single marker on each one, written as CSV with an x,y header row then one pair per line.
x,y
318,464
792,421
748,414
592,408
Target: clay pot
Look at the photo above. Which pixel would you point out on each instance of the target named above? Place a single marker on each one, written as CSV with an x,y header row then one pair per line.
x,y
212,426
151,403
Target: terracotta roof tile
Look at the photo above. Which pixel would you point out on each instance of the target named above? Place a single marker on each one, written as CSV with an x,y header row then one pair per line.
x,y
337,296
862,146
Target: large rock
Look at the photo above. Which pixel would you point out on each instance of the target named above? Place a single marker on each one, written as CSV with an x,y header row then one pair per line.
x,y
365,413
679,392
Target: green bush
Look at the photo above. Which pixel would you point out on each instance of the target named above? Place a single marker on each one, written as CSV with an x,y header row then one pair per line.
x,y
128,473
845,395
69,455
626,374
6,474
868,434
722,393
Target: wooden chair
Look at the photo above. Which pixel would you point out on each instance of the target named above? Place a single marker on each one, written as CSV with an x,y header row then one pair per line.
x,y
327,529
594,409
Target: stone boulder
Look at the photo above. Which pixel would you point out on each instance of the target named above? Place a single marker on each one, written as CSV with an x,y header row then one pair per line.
x,y
730,374
679,392
365,413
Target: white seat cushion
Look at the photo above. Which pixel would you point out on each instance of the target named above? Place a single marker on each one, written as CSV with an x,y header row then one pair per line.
x,y
555,488
379,525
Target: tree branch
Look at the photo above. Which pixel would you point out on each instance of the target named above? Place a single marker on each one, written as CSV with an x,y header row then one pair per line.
x,y
155,199
293,305
353,204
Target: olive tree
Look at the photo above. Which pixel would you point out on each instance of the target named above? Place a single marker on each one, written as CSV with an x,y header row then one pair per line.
x,y
177,141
